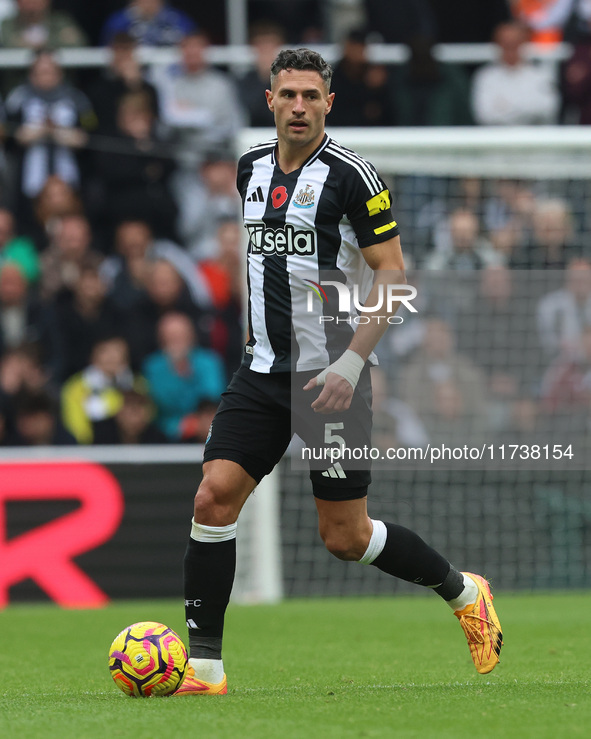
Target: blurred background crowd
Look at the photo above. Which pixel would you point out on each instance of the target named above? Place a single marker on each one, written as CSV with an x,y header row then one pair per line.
x,y
120,232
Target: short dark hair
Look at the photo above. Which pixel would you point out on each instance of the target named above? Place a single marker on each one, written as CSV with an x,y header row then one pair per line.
x,y
302,59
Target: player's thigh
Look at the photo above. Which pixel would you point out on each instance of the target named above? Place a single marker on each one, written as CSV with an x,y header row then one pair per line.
x,y
336,476
251,427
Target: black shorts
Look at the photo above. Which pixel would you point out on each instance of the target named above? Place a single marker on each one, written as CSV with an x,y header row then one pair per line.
x,y
259,413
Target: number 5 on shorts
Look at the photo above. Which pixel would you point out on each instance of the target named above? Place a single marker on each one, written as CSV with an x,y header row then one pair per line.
x,y
330,438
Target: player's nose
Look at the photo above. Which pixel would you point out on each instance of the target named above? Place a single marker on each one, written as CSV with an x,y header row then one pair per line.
x,y
298,104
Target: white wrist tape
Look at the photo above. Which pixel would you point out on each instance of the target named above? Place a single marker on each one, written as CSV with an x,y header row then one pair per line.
x,y
348,365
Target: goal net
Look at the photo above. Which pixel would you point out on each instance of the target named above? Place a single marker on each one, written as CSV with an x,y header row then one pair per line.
x,y
495,226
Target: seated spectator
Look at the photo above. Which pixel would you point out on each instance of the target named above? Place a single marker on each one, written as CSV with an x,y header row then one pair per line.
x,y
576,82
126,272
265,41
132,424
17,249
207,202
135,177
468,21
362,88
566,386
180,375
508,215
445,388
26,322
21,373
200,104
204,416
56,200
466,250
123,75
301,19
85,315
430,93
551,244
96,393
165,291
564,314
52,119
62,261
37,422
149,22
37,26
223,274
513,91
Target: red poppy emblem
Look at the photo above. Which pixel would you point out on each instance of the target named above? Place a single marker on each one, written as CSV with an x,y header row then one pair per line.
x,y
278,196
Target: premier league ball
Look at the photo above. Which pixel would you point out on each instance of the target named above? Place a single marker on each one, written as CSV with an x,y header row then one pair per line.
x,y
147,659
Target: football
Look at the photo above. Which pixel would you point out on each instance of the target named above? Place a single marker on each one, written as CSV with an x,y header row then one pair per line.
x,y
148,659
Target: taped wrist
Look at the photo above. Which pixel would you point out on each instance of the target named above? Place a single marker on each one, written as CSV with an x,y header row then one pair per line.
x,y
348,366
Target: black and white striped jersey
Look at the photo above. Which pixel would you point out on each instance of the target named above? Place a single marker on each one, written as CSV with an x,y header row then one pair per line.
x,y
303,224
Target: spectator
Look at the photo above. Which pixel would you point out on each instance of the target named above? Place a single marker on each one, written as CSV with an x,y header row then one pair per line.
x,y
205,203
52,119
430,93
513,91
397,21
86,315
135,176
223,274
468,21
126,273
56,200
62,262
301,19
551,244
37,423
180,375
576,82
265,40
566,386
204,416
96,393
149,22
446,389
123,75
467,250
508,215
132,424
37,26
165,292
362,88
564,314
24,321
17,249
200,104
21,372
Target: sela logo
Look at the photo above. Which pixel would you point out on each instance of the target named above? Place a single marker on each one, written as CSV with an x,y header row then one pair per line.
x,y
388,296
283,241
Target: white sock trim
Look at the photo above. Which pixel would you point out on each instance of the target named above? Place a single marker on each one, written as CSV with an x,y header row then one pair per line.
x,y
210,670
212,534
376,543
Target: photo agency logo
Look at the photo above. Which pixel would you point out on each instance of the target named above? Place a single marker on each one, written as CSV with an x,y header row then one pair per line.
x,y
390,297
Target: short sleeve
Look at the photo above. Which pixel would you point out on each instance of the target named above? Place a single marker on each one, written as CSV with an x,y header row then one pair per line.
x,y
368,205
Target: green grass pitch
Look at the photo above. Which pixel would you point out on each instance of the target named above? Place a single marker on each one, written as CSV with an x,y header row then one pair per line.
x,y
364,667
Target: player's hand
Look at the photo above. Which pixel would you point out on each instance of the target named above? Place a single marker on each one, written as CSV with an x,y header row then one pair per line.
x,y
336,394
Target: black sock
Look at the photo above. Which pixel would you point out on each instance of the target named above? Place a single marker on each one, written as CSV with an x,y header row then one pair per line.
x,y
209,576
407,556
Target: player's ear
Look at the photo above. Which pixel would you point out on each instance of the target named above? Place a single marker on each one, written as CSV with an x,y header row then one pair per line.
x,y
269,96
329,101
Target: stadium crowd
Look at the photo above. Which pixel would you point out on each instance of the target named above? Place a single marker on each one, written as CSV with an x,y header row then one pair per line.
x,y
120,231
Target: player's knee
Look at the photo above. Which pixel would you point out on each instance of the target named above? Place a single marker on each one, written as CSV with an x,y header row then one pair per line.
x,y
214,505
345,547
